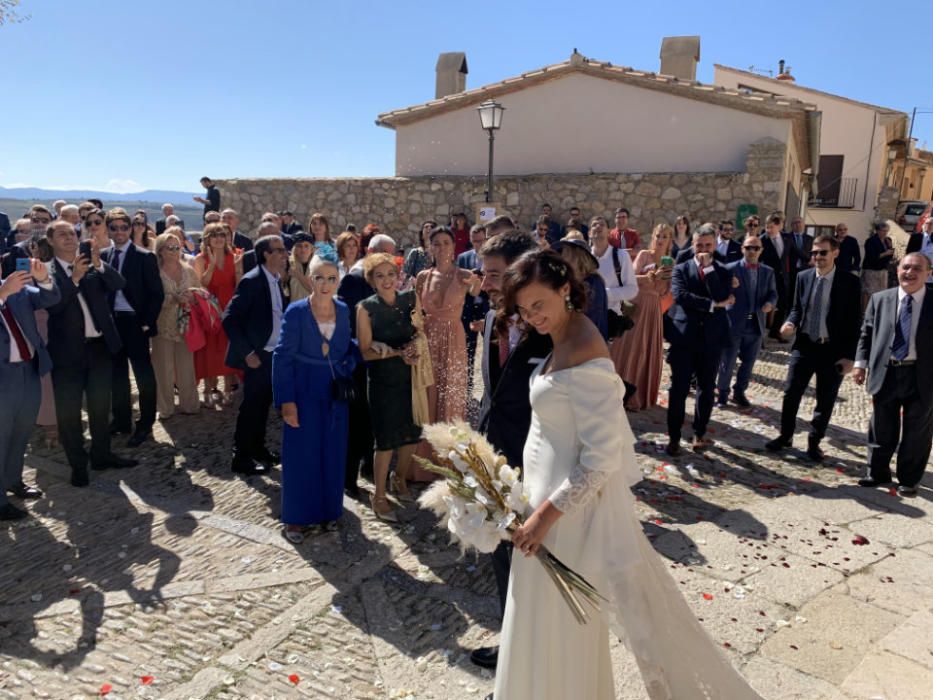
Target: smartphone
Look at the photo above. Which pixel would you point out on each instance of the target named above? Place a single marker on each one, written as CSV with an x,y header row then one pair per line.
x,y
667,261
84,249
23,264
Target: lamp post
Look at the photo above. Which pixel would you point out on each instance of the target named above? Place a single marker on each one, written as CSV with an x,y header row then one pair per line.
x,y
490,116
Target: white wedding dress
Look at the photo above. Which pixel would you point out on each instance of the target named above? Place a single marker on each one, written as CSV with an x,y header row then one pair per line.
x,y
580,455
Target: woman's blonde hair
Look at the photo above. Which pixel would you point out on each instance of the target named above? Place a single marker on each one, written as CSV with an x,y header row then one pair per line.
x,y
162,240
209,231
375,260
580,260
658,230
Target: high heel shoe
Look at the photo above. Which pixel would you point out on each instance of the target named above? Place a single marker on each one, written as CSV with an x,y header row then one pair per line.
x,y
399,487
382,509
208,401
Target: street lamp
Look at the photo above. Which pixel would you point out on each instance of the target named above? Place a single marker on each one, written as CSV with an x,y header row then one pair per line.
x,y
490,116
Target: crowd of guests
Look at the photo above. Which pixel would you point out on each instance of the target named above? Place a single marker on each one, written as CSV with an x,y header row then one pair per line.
x,y
359,346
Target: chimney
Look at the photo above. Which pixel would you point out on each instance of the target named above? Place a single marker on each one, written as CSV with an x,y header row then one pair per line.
x,y
784,73
679,56
451,74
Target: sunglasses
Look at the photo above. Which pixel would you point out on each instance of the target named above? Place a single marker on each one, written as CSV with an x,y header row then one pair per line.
x,y
277,250
139,223
173,248
95,222
332,279
122,229
751,247
821,253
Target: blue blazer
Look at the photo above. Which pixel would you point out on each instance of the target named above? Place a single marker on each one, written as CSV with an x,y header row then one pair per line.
x,y
692,322
468,260
301,342
247,319
23,305
765,293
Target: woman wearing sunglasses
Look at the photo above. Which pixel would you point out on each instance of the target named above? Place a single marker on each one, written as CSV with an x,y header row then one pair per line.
x,y
142,234
172,360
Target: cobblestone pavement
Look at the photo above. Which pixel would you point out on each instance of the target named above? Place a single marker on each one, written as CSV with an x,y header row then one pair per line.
x,y
171,580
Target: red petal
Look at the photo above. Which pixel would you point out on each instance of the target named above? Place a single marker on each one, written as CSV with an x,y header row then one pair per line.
x,y
294,678
860,540
707,596
147,680
105,689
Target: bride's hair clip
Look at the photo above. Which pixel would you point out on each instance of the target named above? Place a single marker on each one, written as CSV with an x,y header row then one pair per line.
x,y
559,269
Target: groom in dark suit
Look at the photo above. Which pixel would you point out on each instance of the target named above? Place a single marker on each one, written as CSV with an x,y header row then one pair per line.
x,y
252,322
23,361
509,358
895,351
698,330
825,317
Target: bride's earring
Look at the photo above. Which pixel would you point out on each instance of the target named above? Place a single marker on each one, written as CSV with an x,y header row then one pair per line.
x,y
568,303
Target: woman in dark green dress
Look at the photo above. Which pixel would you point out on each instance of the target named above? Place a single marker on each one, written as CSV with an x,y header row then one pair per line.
x,y
385,333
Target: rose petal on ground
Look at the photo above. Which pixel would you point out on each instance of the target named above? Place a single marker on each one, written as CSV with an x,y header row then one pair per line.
x,y
146,680
294,678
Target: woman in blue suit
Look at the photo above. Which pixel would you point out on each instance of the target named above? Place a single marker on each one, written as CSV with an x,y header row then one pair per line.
x,y
314,348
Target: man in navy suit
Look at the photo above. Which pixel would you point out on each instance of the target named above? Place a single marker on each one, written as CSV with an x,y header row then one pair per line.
x,y
895,351
252,322
755,296
136,309
699,328
240,239
825,317
82,340
23,360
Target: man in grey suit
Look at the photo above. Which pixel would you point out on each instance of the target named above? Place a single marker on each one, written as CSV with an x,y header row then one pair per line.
x,y
23,360
895,351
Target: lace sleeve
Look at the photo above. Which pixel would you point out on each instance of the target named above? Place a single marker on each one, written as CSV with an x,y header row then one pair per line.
x,y
578,489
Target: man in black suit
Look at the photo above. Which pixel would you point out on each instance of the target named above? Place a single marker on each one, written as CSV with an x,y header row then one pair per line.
x,y
252,322
825,317
290,227
850,253
82,340
895,350
776,253
698,332
4,231
509,358
135,310
240,239
23,361
352,290
922,242
729,251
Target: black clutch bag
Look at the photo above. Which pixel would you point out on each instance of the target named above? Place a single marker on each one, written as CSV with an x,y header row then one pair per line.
x,y
341,388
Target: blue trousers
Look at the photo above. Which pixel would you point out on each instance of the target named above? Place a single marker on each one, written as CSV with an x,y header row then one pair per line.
x,y
21,392
744,347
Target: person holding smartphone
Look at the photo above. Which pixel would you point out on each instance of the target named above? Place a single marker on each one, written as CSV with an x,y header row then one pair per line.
x,y
23,361
826,318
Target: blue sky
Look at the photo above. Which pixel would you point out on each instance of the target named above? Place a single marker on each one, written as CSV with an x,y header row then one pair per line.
x,y
128,95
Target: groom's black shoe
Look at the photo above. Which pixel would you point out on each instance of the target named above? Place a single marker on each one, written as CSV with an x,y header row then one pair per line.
x,y
489,697
485,657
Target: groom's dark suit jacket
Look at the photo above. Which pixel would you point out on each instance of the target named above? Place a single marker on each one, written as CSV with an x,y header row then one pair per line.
x,y
506,410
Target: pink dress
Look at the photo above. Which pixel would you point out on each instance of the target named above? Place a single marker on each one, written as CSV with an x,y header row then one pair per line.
x,y
639,354
442,301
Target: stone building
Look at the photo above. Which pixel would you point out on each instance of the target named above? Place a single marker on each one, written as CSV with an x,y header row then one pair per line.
x,y
578,133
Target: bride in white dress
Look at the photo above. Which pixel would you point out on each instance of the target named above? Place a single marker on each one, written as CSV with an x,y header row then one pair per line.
x,y
579,466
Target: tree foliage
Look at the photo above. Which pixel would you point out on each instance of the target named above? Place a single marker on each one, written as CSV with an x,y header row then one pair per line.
x,y
9,12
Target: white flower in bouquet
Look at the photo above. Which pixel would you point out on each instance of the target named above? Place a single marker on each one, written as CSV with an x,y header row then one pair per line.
x,y
508,476
458,462
517,498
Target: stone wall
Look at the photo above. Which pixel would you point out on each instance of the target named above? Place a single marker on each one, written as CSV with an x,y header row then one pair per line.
x,y
399,204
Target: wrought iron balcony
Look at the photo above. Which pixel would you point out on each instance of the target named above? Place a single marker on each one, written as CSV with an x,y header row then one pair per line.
x,y
839,195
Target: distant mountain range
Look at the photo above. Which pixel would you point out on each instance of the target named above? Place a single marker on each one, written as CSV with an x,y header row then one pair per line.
x,y
37,194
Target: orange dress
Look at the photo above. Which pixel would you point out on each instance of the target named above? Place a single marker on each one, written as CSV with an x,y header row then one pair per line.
x,y
209,360
442,302
639,354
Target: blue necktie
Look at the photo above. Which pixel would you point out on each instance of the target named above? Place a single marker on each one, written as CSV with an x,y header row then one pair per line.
x,y
902,330
115,260
816,311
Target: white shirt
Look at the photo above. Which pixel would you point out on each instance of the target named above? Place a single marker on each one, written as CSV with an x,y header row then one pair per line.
x,y
276,293
778,243
617,293
14,348
119,302
90,330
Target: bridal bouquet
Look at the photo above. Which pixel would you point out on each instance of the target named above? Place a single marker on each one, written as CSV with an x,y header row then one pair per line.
x,y
483,501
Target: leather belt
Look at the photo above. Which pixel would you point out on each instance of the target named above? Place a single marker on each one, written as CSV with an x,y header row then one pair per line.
x,y
750,317
901,363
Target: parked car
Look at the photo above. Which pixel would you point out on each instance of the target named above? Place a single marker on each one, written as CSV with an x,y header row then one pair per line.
x,y
911,214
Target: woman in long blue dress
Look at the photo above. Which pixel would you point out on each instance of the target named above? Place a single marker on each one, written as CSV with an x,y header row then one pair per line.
x,y
314,347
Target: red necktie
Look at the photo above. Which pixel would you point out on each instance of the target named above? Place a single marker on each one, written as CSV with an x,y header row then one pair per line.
x,y
17,334
702,274
752,267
